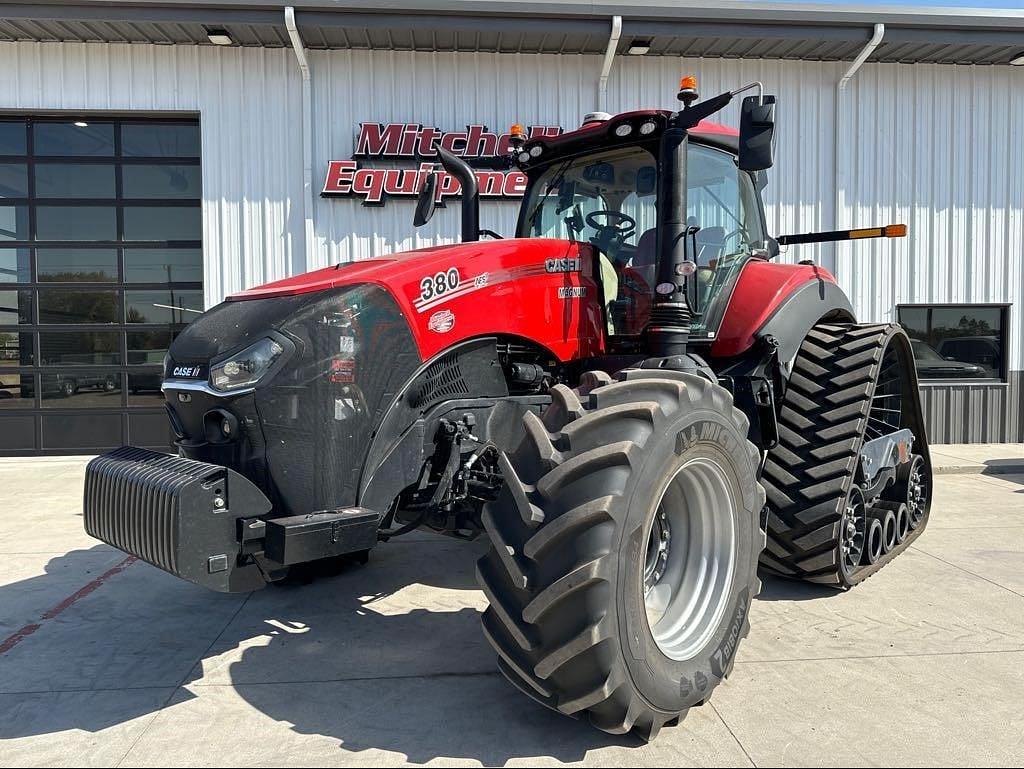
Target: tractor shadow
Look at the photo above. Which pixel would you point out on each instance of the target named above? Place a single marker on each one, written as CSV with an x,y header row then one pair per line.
x,y
390,657
387,656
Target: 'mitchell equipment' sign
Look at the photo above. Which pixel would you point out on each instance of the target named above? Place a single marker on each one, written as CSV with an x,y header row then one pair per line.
x,y
411,141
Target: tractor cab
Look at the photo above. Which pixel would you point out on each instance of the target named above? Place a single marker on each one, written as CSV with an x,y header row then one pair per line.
x,y
599,185
667,200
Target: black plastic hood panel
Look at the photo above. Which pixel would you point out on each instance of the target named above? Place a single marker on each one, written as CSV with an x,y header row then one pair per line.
x,y
304,431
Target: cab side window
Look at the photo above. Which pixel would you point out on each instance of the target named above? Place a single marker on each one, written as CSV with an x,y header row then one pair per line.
x,y
721,201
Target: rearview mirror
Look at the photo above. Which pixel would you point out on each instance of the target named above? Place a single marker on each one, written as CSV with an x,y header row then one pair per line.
x,y
426,202
757,133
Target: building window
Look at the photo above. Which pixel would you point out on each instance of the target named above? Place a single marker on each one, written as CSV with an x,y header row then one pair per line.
x,y
957,342
100,268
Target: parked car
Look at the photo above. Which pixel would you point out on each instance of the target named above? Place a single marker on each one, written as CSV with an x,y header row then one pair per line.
x,y
66,385
932,365
983,351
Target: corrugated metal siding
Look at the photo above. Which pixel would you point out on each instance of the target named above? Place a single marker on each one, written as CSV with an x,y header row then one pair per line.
x,y
249,103
451,90
975,413
935,146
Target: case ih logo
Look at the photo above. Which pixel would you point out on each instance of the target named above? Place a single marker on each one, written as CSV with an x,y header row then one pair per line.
x,y
409,141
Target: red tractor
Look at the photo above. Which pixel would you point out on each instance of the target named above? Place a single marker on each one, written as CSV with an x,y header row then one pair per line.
x,y
634,403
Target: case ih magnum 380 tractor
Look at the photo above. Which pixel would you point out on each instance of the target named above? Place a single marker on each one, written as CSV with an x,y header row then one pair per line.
x,y
632,401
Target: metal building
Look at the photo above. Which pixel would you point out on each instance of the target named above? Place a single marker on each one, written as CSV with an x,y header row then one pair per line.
x,y
156,155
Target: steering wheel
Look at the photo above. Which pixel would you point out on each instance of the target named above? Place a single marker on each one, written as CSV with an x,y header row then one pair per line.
x,y
616,224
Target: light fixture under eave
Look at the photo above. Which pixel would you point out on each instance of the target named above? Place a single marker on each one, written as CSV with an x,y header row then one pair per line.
x,y
1018,60
219,36
81,124
639,47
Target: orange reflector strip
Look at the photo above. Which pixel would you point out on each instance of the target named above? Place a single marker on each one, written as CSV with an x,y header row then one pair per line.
x,y
896,231
870,232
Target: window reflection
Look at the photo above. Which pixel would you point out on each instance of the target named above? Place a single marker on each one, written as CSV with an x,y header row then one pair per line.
x,y
148,347
88,139
75,305
956,341
160,181
13,180
88,348
13,137
162,223
14,265
75,180
76,223
16,389
154,140
163,265
162,306
15,307
144,388
13,222
80,265
16,349
81,389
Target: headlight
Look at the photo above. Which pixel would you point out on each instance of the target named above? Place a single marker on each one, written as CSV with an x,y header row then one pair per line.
x,y
246,367
623,130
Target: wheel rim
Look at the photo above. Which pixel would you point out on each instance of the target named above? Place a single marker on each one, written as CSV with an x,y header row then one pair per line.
x,y
917,493
690,559
853,531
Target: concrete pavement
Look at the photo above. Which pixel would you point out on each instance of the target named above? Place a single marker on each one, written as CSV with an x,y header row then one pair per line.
x,y
379,665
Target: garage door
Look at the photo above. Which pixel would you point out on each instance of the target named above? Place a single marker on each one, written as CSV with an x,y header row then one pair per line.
x,y
100,267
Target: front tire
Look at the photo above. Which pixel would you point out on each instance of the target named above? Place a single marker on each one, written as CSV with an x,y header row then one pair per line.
x,y
624,550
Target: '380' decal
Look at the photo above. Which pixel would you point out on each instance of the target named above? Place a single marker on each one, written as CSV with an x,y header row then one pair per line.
x,y
448,284
439,283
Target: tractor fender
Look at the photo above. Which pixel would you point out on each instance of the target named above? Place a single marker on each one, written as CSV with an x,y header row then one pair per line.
x,y
781,300
809,305
465,379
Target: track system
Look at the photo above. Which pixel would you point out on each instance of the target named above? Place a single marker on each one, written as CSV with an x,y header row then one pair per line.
x,y
834,515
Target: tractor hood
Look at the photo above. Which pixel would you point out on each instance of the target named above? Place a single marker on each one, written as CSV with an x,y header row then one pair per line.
x,y
397,269
540,289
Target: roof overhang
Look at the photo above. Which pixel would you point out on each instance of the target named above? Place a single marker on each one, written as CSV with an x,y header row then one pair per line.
x,y
715,28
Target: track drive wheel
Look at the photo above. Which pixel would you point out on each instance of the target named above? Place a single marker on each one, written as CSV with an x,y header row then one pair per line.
x,y
624,549
850,383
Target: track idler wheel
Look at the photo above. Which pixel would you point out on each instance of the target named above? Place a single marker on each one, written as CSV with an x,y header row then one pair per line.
x,y
913,487
873,549
888,520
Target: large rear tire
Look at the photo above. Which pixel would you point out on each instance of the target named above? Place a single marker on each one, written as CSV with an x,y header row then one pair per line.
x,y
849,383
624,549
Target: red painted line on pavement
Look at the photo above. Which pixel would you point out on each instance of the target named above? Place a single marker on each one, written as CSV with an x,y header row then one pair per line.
x,y
20,635
11,641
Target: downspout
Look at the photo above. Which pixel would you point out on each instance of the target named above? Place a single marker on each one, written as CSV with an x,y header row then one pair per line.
x,y
865,52
307,134
606,65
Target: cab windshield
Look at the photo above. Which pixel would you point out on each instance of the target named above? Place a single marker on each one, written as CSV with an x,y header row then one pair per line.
x,y
609,199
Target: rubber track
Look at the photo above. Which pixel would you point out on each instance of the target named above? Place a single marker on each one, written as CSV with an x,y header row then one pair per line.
x,y
550,572
808,476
